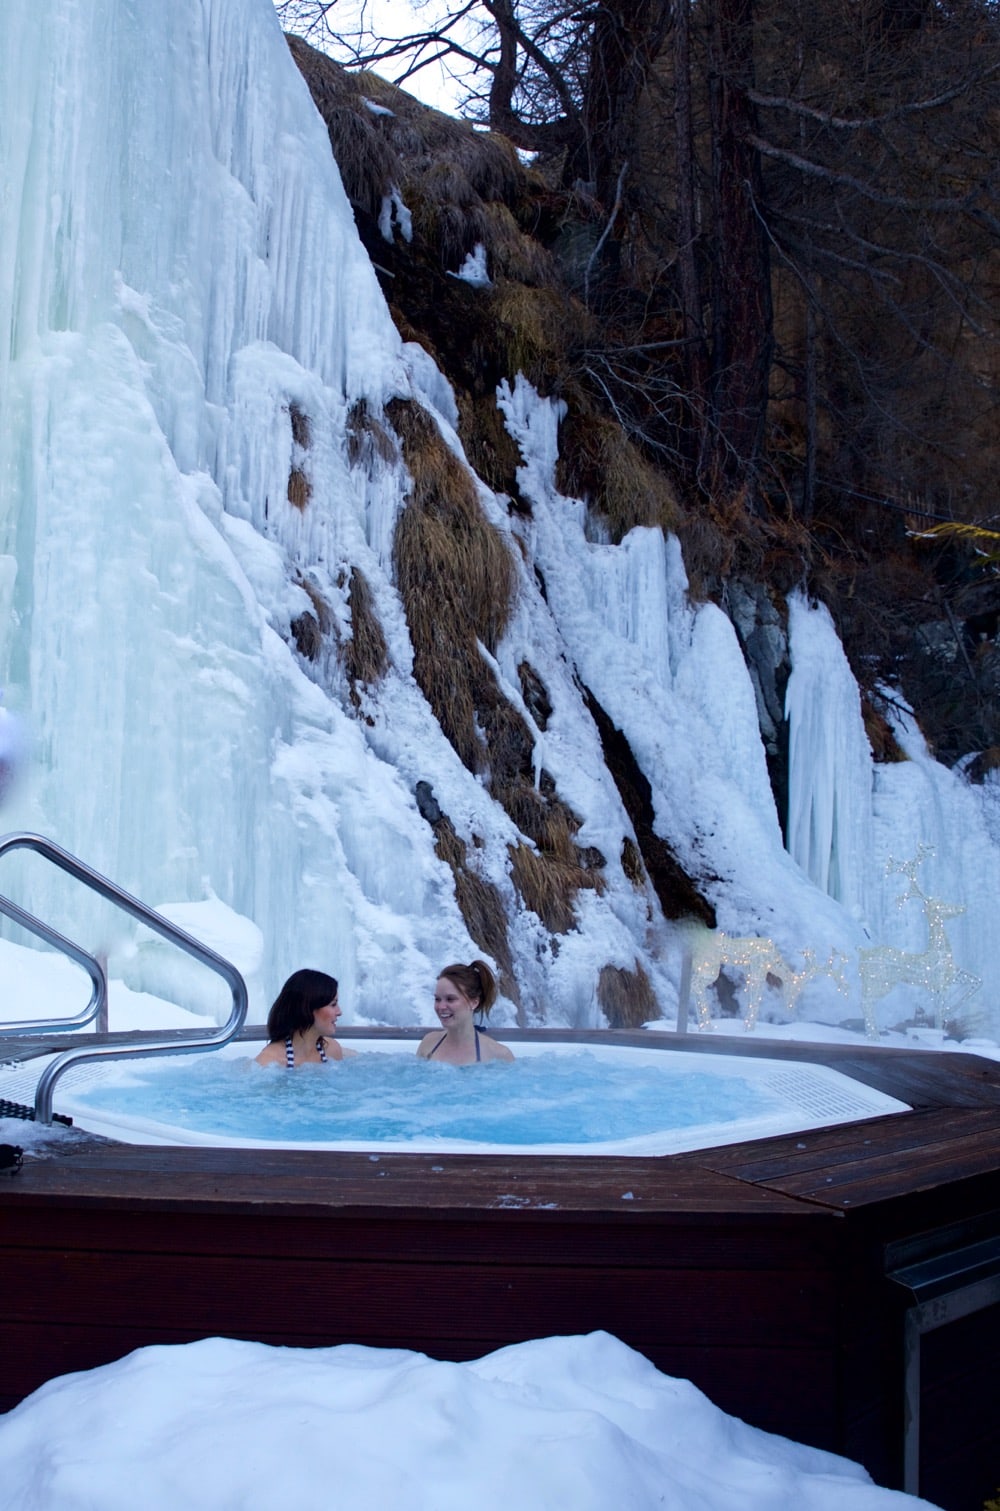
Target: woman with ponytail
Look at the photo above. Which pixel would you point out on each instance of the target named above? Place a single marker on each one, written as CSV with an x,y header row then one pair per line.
x,y
462,993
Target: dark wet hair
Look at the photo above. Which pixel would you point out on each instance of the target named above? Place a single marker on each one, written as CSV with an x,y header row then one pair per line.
x,y
475,981
301,996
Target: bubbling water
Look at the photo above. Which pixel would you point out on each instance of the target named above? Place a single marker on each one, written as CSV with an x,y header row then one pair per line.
x,y
569,1100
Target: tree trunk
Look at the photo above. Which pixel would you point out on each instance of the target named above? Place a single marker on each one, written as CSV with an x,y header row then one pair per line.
x,y
695,356
626,40
742,336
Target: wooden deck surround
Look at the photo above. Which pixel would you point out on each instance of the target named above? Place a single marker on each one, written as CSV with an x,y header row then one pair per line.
x,y
761,1271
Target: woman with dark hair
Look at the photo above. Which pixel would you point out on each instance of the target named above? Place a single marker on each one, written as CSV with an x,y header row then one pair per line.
x,y
303,1021
462,992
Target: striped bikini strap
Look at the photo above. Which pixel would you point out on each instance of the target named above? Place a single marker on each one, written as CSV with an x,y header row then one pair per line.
x,y
290,1052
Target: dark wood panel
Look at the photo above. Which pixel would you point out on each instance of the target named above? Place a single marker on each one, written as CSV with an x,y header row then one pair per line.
x,y
245,1179
907,1138
789,1391
668,1241
444,1301
959,1361
883,1177
960,1449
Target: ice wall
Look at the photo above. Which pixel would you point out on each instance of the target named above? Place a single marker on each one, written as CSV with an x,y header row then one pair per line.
x,y
673,680
891,841
178,269
187,316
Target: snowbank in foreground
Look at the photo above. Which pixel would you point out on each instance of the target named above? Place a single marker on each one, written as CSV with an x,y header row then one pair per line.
x,y
578,1421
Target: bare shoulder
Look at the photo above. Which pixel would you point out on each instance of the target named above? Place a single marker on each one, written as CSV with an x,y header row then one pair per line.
x,y
271,1054
347,1054
427,1043
496,1051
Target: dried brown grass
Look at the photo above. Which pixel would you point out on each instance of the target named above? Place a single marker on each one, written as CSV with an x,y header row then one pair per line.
x,y
468,558
626,998
310,628
455,576
492,452
366,654
512,254
708,554
301,426
307,636
367,437
535,694
542,888
598,462
885,746
632,862
479,902
533,331
433,158
299,489
488,164
452,225
538,811
548,885
368,164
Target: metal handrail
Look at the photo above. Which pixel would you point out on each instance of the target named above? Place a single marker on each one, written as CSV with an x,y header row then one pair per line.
x,y
188,1044
93,967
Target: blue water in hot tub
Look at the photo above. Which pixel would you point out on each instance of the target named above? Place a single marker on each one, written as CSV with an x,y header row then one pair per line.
x,y
550,1098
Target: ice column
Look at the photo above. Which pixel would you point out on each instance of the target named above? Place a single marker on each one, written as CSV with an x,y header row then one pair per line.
x,y
829,759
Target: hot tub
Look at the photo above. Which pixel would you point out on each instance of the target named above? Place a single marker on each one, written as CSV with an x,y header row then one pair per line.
x,y
557,1098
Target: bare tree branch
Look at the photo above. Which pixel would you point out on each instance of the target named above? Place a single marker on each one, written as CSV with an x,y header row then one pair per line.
x,y
868,123
811,169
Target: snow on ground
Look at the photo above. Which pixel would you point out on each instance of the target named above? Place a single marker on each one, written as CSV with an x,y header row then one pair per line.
x,y
571,1421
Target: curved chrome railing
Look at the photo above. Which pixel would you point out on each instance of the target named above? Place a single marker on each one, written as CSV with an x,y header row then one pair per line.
x,y
93,967
142,1044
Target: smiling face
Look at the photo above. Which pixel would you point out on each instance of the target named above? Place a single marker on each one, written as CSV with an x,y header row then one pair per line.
x,y
451,1004
325,1018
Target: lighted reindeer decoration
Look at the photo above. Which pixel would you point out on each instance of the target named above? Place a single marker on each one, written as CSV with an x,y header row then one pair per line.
x,y
760,963
755,959
934,970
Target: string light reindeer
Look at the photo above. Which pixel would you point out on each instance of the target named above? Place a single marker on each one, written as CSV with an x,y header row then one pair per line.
x,y
755,959
794,981
761,964
933,970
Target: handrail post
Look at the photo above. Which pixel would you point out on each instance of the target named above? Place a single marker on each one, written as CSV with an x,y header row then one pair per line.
x,y
684,988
